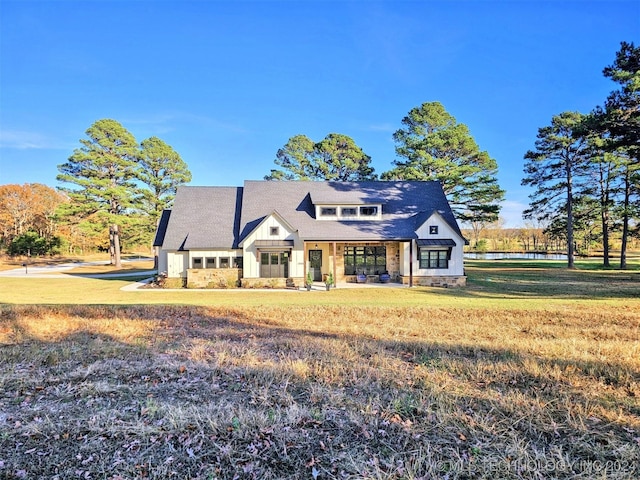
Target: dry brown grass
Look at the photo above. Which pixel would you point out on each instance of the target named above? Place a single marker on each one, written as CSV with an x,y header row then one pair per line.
x,y
319,392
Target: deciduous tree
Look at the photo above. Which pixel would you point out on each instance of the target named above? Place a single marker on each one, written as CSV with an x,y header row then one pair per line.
x,y
31,206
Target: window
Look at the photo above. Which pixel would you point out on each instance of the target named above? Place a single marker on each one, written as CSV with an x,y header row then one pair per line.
x,y
367,260
434,258
348,211
328,211
196,262
433,229
210,262
368,211
274,231
224,262
238,262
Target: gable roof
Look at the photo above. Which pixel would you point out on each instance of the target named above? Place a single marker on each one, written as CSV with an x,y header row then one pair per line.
x,y
221,217
294,200
204,217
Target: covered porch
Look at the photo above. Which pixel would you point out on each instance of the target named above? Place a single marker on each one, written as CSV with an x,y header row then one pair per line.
x,y
353,262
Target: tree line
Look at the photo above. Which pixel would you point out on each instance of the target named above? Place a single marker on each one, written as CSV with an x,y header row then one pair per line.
x,y
110,182
113,184
585,168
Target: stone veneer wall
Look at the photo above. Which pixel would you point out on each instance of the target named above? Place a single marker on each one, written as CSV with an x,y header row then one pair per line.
x,y
272,282
437,281
213,277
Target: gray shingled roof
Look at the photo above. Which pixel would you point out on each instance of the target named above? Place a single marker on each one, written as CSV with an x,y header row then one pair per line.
x,y
402,202
204,217
220,217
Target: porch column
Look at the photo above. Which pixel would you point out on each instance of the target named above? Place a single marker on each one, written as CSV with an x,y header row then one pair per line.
x,y
335,278
304,263
410,263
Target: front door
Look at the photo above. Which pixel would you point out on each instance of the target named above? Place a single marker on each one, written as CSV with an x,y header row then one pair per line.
x,y
274,264
315,264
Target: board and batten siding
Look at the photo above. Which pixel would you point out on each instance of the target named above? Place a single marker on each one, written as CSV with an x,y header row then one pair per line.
x,y
456,264
251,267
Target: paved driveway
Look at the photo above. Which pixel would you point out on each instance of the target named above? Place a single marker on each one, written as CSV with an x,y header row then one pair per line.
x,y
58,271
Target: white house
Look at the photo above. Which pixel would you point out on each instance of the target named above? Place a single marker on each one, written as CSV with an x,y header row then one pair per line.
x,y
276,233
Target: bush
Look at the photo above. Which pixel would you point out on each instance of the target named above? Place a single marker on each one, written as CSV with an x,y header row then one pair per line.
x,y
482,245
31,243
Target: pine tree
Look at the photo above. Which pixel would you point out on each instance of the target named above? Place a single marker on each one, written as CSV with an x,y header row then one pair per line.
x,y
103,172
436,147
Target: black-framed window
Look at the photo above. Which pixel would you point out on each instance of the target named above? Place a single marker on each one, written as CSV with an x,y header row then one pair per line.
x,y
274,230
224,262
196,262
238,262
367,260
328,211
210,262
433,229
349,211
434,258
368,211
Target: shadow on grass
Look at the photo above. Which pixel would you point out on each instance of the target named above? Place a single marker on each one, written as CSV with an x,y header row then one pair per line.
x,y
531,279
193,392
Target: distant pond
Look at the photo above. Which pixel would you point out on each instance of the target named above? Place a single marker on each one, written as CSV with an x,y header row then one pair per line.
x,y
515,256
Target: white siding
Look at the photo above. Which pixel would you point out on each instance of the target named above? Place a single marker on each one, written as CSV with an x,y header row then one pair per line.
x,y
264,232
456,265
162,260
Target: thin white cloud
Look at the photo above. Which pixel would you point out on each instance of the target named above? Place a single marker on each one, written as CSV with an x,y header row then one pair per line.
x,y
23,140
161,123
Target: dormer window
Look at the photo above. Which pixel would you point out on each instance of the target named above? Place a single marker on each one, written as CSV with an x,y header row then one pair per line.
x,y
333,212
349,211
368,211
328,211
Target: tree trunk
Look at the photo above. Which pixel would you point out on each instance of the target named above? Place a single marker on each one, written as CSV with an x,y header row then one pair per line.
x,y
116,246
570,247
625,221
112,251
605,237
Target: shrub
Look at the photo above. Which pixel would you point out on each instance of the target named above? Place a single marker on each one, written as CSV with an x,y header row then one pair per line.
x,y
30,243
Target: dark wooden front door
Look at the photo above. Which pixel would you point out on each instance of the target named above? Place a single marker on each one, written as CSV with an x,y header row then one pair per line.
x,y
315,264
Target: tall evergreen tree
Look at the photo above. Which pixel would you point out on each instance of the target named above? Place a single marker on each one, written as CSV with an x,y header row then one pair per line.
x,y
553,168
161,171
622,121
103,173
436,147
335,158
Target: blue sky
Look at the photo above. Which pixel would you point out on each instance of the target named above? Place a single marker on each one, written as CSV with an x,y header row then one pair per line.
x,y
228,83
